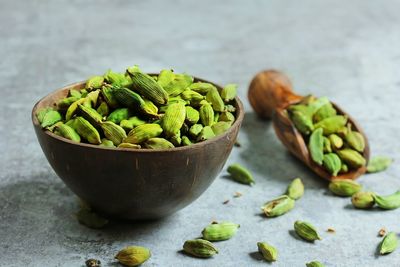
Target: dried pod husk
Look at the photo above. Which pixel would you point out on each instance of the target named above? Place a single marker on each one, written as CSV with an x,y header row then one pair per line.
x,y
268,252
336,141
48,117
332,124
91,115
132,122
103,109
91,219
94,82
133,255
205,134
173,119
324,112
158,143
119,115
378,164
316,146
228,93
220,231
355,140
201,87
278,206
108,95
240,174
68,132
363,200
106,143
195,130
314,264
200,248
143,132
388,202
186,141
64,103
113,132
220,127
215,99
388,244
148,87
179,83
87,130
206,114
295,189
344,187
192,115
332,163
351,158
306,231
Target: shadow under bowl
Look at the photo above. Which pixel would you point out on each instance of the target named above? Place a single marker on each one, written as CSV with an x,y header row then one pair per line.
x,y
135,184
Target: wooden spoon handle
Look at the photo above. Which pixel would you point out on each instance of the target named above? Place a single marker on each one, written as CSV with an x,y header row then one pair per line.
x,y
271,90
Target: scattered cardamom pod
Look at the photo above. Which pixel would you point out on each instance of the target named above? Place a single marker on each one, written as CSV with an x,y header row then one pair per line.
x,y
220,231
344,187
93,263
268,252
388,202
363,200
200,248
378,164
306,231
316,146
278,206
314,264
133,255
388,244
295,189
240,174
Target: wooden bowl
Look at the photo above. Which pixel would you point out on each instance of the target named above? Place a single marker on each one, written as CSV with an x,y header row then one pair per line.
x,y
135,184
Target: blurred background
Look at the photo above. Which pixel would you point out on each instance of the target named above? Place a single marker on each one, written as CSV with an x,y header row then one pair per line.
x,y
346,50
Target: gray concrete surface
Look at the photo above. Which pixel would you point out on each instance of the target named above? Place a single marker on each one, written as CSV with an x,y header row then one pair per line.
x,y
346,50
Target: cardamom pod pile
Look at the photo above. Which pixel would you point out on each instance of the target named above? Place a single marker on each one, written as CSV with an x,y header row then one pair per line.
x,y
332,141
137,110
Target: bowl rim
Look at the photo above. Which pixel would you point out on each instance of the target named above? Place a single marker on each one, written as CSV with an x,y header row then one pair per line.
x,y
238,120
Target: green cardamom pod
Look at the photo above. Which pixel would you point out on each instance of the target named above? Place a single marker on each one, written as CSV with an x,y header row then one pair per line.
x,y
68,132
229,108
73,108
142,133
215,99
344,168
90,114
278,206
306,231
190,95
316,146
106,143
108,95
128,98
303,122
206,114
201,87
336,141
165,77
176,139
117,79
158,143
378,164
132,122
192,115
48,117
220,231
388,202
133,256
205,134
91,219
186,141
388,244
327,145
351,158
64,103
195,130
200,248
179,84
41,113
228,93
87,131
240,174
103,109
150,109
94,82
173,119
129,145
220,127
295,189
148,87
314,264
355,140
363,200
332,124
332,163
118,115
74,93
226,116
268,252
344,187
324,112
113,132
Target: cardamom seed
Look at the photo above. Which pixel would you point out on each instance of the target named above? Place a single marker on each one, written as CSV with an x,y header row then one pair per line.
x,y
133,255
240,174
344,187
363,200
200,248
332,124
306,231
332,163
93,263
278,206
388,202
268,252
220,231
228,93
378,164
351,158
388,244
316,146
295,189
314,264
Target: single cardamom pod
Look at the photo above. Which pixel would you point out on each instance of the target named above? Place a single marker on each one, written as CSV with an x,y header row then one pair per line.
x,y
68,132
158,143
64,104
332,124
336,141
344,168
378,164
191,96
49,118
91,219
90,115
179,83
176,139
206,114
229,108
128,98
142,133
87,130
73,108
103,109
149,109
117,79
316,146
324,112
220,127
132,122
133,255
226,116
332,163
302,121
363,200
118,115
388,202
186,141
295,189
240,174
94,82
205,134
200,248
327,145
215,99
216,116
192,115
388,244
355,140
268,252
165,77
108,95
228,93
106,143
344,187
129,145
306,231
220,231
173,119
195,130
201,87
278,206
148,87
113,132
41,113
314,264
351,158
74,93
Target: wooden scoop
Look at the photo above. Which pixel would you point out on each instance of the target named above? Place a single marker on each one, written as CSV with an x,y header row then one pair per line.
x,y
270,93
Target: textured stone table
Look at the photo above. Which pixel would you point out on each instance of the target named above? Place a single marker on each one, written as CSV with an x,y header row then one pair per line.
x,y
346,50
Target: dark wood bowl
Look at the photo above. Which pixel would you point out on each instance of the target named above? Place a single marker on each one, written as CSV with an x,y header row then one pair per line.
x,y
135,184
